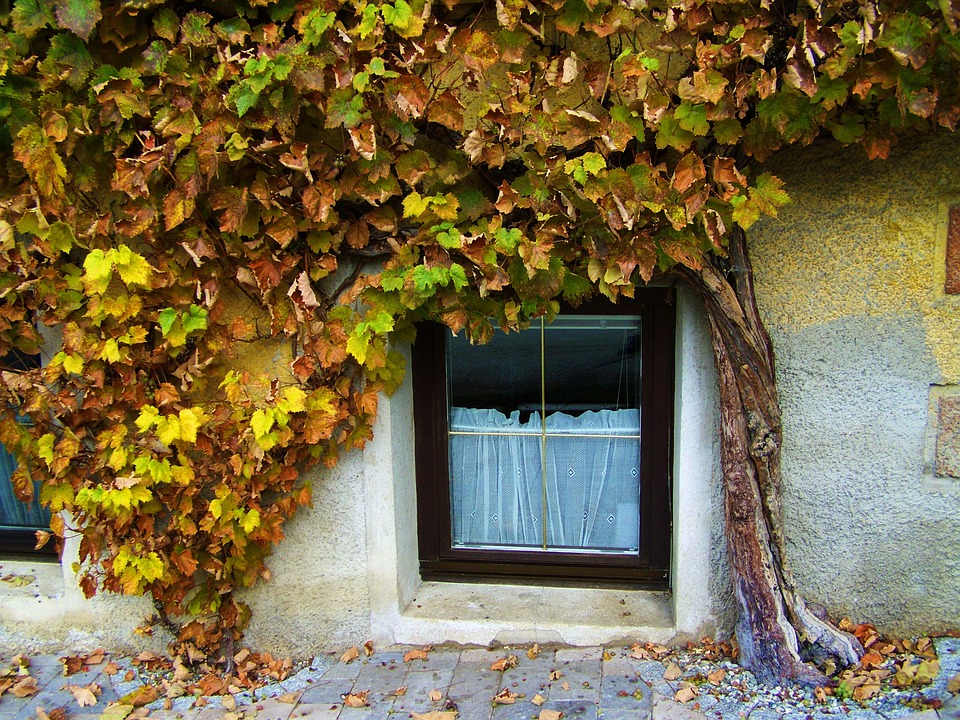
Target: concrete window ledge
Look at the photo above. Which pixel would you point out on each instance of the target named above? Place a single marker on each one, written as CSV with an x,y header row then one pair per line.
x,y
512,614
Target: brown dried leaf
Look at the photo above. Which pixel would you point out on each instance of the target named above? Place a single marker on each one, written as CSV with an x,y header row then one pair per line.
x,y
288,698
685,695
85,696
534,652
26,687
71,664
607,656
717,676
546,714
241,656
141,696
538,700
435,715
505,663
820,695
350,655
357,699
673,672
435,696
230,702
402,690
415,655
505,697
565,685
111,668
368,648
555,675
96,657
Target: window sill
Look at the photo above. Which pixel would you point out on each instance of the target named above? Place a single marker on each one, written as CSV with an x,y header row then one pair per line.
x,y
513,614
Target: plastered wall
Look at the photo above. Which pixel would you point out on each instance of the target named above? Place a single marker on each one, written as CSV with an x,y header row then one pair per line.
x,y
850,282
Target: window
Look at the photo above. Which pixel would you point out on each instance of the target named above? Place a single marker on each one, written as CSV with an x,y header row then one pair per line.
x,y
19,521
546,453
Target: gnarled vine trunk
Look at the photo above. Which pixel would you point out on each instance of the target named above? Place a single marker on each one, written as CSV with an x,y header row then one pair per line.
x,y
773,617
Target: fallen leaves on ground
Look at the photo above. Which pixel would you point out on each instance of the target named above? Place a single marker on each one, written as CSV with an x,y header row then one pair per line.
x,y
538,700
141,696
435,696
546,714
416,655
717,676
505,697
85,695
673,672
565,685
289,698
555,675
17,580
402,690
368,648
921,674
435,715
357,699
534,651
25,687
350,655
55,714
685,695
115,711
505,663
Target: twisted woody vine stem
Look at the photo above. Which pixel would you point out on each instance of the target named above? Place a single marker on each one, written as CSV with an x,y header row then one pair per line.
x,y
183,180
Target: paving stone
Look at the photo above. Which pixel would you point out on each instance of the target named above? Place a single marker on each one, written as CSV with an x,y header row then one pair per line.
x,y
267,710
174,714
950,710
328,690
663,708
315,712
474,711
474,683
439,659
372,712
419,683
479,655
575,709
651,671
520,710
583,679
527,680
344,670
578,654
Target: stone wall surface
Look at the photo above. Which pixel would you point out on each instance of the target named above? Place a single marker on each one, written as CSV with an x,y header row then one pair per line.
x,y
850,280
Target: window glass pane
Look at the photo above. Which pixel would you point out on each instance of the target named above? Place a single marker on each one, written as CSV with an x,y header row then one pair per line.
x,y
503,375
592,363
582,465
13,512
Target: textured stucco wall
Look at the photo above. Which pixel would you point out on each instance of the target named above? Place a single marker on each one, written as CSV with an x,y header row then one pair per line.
x,y
850,282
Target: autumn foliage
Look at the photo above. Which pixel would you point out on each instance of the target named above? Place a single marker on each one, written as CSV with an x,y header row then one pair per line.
x,y
182,181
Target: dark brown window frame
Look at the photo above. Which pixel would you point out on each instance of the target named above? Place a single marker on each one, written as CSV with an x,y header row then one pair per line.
x,y
650,568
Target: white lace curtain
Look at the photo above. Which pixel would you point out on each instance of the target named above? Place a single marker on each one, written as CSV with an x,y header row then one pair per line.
x,y
592,483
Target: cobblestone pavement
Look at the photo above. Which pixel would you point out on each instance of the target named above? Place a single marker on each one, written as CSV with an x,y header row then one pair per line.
x,y
578,682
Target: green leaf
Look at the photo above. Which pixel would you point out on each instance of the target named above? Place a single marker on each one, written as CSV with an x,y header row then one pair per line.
x,y
593,163
727,131
61,237
368,23
906,36
39,157
850,128
399,15
166,318
244,98
357,345
693,118
97,271
31,16
670,134
195,319
78,16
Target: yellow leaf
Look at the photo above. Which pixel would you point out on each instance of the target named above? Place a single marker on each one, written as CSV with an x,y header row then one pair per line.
x,y
189,423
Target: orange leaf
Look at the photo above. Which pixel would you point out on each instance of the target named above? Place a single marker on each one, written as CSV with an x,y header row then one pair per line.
x,y
358,699
505,697
415,655
350,655
505,663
